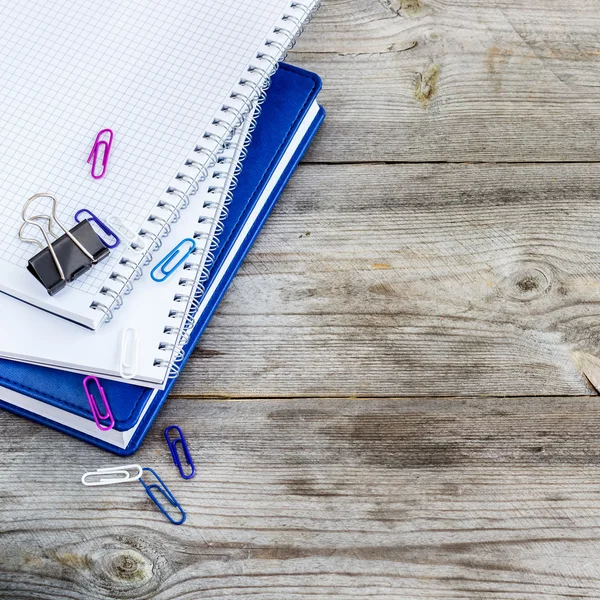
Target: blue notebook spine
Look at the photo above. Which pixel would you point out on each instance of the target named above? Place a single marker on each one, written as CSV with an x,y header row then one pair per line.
x,y
244,102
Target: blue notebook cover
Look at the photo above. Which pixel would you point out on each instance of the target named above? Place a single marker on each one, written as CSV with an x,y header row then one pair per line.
x,y
291,94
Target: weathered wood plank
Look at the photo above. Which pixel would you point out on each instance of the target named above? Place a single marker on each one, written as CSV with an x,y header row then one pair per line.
x,y
494,80
409,499
379,280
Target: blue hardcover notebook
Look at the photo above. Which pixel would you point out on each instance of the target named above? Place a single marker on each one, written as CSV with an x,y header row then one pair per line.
x,y
288,121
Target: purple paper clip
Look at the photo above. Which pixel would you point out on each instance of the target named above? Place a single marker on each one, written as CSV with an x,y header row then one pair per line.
x,y
95,412
101,148
105,228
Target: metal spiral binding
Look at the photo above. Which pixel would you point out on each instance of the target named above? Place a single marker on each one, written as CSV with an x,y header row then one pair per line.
x,y
282,40
246,98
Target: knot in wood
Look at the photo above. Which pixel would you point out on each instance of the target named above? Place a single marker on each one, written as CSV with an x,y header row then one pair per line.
x,y
410,7
529,282
129,566
126,566
426,84
405,8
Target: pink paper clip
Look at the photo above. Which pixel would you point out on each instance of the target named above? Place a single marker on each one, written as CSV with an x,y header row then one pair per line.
x,y
101,148
95,412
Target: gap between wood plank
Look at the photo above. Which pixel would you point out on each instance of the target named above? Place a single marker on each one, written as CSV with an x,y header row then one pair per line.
x,y
224,398
449,162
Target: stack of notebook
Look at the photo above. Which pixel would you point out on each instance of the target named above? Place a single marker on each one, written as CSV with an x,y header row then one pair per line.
x,y
143,147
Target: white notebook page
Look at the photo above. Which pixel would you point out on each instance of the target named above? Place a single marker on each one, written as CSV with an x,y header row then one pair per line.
x,y
122,438
34,336
154,71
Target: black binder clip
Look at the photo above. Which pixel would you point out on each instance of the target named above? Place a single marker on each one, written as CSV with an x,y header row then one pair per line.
x,y
69,256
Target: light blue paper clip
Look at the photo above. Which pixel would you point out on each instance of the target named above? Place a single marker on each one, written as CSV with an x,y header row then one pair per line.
x,y
162,489
165,267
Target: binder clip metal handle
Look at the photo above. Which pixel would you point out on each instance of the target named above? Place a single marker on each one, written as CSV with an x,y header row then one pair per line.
x,y
66,258
52,217
34,221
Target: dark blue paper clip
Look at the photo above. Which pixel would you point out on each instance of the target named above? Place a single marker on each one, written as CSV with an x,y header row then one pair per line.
x,y
186,452
105,228
164,490
165,263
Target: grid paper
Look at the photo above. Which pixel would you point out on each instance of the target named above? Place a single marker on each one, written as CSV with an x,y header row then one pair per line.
x,y
154,71
99,351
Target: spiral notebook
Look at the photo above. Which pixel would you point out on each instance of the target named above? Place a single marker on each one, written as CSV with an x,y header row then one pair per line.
x,y
171,78
158,321
289,120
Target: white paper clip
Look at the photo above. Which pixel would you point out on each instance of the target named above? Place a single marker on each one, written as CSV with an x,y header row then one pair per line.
x,y
130,236
119,475
129,353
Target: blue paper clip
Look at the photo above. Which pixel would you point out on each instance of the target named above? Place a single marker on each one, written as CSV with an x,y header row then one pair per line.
x,y
165,263
164,490
105,228
186,452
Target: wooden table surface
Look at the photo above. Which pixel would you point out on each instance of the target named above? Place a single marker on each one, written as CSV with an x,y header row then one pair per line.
x,y
397,397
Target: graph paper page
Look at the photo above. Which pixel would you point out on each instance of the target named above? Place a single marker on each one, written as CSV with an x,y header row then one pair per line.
x,y
35,336
154,71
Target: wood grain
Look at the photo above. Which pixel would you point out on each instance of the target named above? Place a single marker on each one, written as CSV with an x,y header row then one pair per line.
x,y
431,292
432,280
514,81
324,498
